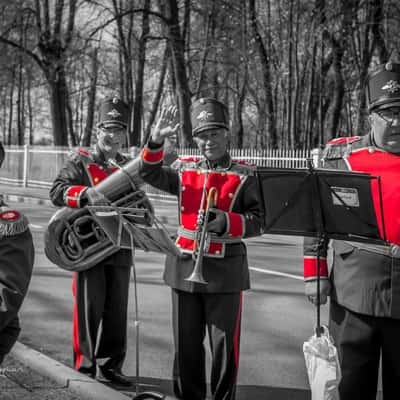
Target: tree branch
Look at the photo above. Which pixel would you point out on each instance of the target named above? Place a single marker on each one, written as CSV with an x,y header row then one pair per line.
x,y
24,50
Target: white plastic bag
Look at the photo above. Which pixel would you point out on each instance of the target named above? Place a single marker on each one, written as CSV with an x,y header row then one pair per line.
x,y
323,367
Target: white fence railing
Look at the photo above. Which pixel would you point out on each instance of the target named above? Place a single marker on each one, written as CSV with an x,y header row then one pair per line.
x,y
38,166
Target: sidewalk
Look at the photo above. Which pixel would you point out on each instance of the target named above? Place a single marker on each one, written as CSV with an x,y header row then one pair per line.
x,y
27,374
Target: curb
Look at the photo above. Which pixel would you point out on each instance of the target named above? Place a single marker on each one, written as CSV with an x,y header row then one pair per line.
x,y
87,388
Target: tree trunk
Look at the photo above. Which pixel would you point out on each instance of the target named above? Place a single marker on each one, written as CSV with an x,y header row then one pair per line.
x,y
138,102
265,65
58,111
157,97
206,48
338,91
20,107
87,134
179,70
11,107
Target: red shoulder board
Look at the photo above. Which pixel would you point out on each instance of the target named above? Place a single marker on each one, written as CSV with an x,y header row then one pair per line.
x,y
190,159
80,154
83,152
244,162
344,140
9,215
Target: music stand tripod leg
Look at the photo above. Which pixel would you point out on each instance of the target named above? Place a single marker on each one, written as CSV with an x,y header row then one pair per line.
x,y
143,395
319,329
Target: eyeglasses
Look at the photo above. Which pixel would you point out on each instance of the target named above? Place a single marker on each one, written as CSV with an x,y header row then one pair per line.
x,y
113,131
389,115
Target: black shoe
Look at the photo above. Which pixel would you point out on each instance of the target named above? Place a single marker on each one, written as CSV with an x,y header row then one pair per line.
x,y
115,377
88,371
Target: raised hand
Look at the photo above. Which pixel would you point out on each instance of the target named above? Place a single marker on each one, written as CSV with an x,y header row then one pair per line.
x,y
167,124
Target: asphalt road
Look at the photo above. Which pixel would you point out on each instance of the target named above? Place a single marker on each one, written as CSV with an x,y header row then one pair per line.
x,y
277,319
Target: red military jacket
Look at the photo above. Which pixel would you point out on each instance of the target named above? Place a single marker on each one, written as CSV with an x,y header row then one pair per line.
x,y
225,259
366,278
84,169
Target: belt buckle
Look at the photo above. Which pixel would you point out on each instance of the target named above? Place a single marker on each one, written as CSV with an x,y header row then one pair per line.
x,y
395,250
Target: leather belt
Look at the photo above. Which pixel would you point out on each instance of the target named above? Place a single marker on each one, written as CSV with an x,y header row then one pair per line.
x,y
392,250
213,237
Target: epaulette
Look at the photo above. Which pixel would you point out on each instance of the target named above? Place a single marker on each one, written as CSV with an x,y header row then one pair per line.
x,y
244,167
340,147
186,162
12,222
79,154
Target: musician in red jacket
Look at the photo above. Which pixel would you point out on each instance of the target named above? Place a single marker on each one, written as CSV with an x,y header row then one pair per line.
x,y
101,292
16,263
364,282
217,305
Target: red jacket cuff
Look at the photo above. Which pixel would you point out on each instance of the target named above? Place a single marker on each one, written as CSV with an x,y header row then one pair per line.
x,y
310,268
73,196
152,156
236,226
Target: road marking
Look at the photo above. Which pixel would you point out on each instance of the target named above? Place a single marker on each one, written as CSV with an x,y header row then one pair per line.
x,y
271,272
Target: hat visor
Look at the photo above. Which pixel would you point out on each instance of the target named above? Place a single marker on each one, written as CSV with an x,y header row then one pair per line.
x,y
209,127
384,106
111,124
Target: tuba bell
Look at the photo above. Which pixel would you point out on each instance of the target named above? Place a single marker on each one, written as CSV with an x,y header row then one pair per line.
x,y
74,239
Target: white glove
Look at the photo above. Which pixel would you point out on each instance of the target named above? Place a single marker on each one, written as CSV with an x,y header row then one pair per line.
x,y
324,290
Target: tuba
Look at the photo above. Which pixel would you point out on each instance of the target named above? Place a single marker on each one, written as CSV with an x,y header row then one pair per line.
x,y
76,241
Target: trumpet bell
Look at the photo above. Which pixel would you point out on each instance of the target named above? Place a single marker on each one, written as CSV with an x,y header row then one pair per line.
x,y
196,277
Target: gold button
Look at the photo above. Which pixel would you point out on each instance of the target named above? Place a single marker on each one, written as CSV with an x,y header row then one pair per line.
x,y
217,252
183,188
230,195
96,179
182,208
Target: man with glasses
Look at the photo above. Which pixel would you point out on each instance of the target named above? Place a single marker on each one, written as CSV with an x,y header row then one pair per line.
x,y
101,292
364,283
216,304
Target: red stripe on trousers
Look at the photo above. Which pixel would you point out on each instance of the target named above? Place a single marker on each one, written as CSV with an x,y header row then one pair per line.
x,y
236,337
78,356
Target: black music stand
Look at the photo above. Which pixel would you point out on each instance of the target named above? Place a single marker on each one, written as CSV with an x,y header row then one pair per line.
x,y
121,225
322,203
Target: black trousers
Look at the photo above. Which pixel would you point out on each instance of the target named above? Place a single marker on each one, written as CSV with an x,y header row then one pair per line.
x,y
100,316
8,335
361,341
220,314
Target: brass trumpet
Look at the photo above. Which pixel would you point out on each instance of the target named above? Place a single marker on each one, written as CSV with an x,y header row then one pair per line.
x,y
199,244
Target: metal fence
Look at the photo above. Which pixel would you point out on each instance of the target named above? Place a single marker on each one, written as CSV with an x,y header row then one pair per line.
x,y
38,166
